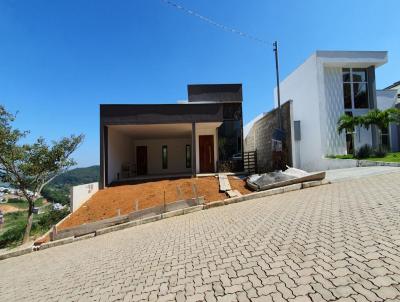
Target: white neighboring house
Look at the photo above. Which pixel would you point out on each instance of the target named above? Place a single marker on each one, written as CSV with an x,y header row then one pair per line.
x,y
390,98
327,85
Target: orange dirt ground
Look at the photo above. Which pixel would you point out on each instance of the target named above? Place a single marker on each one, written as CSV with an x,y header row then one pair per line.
x,y
105,203
5,208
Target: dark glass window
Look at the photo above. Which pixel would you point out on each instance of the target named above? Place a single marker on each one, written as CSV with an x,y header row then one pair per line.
x,y
359,75
355,88
346,74
239,144
228,134
347,95
360,95
385,138
188,156
165,157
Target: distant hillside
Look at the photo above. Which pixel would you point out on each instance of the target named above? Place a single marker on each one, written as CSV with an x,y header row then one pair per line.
x,y
58,190
77,176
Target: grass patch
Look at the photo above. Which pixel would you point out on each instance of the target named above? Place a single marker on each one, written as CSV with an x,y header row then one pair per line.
x,y
13,230
390,157
23,204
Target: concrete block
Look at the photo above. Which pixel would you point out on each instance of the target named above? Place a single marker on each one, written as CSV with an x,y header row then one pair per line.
x,y
172,213
214,204
193,209
309,184
293,187
274,191
56,243
16,253
117,227
84,237
149,219
233,200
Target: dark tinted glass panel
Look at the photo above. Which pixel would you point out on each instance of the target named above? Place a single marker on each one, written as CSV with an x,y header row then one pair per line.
x,y
360,95
385,137
232,112
228,134
346,74
164,157
229,144
359,75
188,156
347,95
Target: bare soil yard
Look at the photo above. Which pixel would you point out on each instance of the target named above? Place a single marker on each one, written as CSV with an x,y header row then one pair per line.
x,y
9,209
107,202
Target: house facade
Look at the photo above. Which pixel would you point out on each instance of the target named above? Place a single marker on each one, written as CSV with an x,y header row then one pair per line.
x,y
327,85
202,135
389,97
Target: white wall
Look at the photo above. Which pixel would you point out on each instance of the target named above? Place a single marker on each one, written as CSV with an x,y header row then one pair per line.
x,y
301,86
81,194
206,129
333,143
120,150
387,99
176,154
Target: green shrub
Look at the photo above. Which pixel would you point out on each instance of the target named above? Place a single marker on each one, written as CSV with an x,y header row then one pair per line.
x,y
17,200
364,152
381,151
13,235
47,220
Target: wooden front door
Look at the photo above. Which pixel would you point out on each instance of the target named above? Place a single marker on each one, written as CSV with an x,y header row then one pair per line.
x,y
141,160
206,150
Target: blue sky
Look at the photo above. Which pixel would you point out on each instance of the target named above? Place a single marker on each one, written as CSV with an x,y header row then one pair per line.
x,y
60,59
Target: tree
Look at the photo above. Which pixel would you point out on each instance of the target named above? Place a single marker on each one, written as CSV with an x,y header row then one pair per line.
x,y
29,167
381,119
348,123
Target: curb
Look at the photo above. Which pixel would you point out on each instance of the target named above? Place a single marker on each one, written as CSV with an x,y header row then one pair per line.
x,y
118,227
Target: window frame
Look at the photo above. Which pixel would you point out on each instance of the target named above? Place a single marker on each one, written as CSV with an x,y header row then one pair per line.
x,y
352,82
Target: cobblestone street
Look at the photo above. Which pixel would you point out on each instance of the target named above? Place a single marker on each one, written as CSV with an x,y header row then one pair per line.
x,y
333,242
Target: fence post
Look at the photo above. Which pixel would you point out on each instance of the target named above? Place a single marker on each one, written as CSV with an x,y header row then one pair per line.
x,y
136,205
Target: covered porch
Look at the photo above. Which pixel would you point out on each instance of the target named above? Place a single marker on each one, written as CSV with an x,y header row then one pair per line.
x,y
142,152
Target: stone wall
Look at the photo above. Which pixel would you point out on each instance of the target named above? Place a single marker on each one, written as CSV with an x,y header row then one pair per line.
x,y
259,139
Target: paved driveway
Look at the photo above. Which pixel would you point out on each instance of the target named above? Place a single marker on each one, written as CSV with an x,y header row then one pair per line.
x,y
352,173
335,242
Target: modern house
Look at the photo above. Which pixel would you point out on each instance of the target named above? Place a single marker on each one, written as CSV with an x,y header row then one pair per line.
x,y
202,135
389,97
327,85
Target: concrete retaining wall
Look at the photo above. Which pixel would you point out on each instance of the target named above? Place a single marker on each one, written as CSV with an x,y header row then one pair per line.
x,y
80,194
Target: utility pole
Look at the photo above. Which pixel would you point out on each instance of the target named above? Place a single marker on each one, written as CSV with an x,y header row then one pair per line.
x,y
277,85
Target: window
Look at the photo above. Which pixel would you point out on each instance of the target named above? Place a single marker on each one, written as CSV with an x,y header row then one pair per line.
x,y
355,88
188,156
239,144
385,138
165,157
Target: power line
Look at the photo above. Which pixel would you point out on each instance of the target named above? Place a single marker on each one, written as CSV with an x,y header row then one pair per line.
x,y
214,23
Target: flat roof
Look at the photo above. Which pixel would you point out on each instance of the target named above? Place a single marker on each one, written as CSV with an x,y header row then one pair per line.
x,y
340,57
